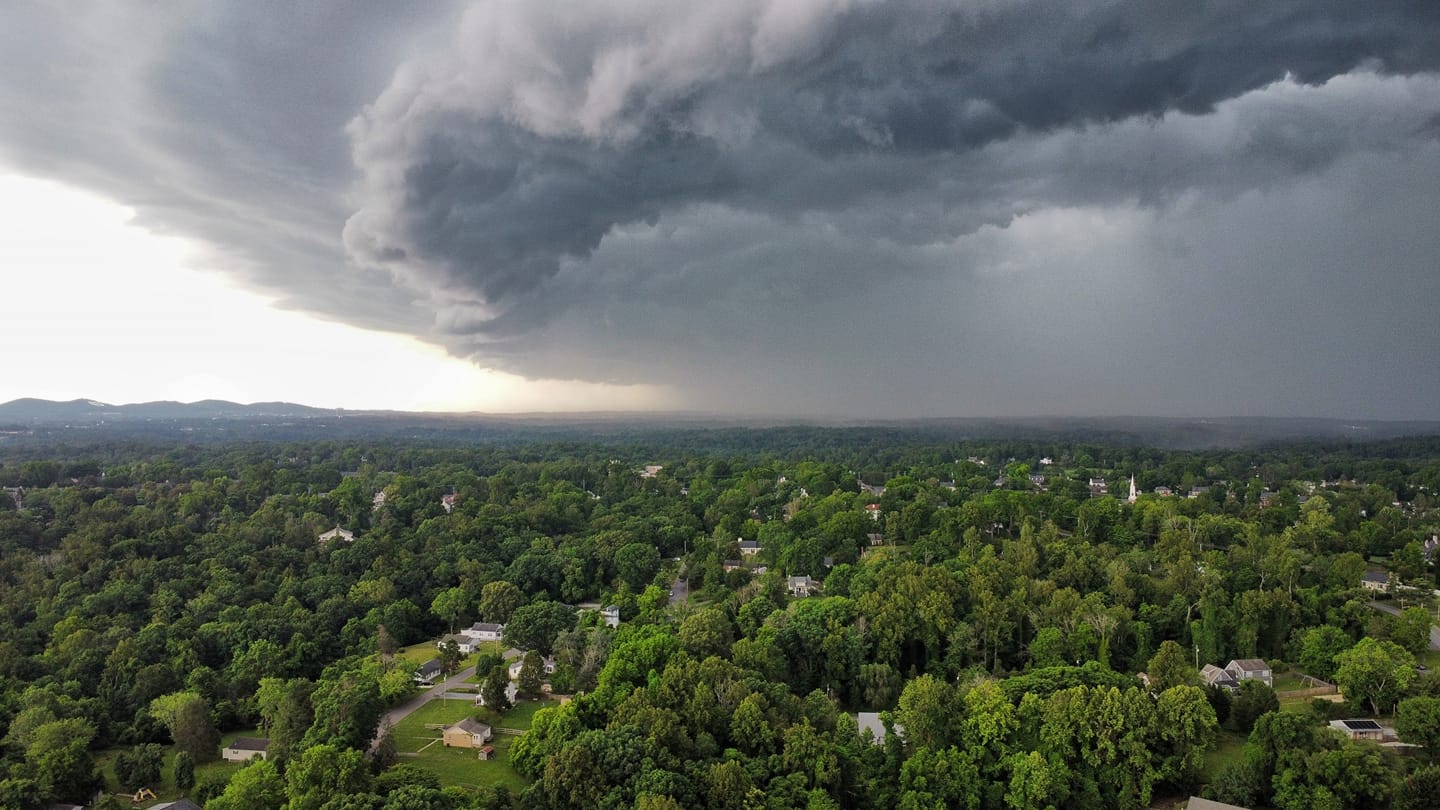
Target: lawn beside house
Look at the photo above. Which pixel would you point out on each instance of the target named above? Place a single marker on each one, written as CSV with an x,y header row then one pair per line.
x,y
462,767
165,790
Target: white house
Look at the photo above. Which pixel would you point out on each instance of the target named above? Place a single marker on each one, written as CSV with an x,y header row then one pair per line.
x,y
428,672
511,692
484,631
1376,581
547,664
337,533
801,586
244,749
749,548
464,642
610,615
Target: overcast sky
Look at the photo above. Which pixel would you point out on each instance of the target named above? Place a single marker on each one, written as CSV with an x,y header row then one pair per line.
x,y
901,208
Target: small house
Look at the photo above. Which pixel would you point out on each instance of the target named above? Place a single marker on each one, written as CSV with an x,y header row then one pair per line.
x,y
447,502
610,615
1250,669
468,733
749,548
801,586
873,510
1212,675
1376,581
1197,803
732,565
547,665
244,749
1359,729
875,538
336,533
428,672
463,641
511,693
485,631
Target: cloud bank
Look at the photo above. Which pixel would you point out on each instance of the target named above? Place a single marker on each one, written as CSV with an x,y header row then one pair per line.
x,y
897,208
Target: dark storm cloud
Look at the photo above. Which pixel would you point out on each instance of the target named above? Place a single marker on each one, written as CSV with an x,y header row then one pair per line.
x,y
536,133
900,207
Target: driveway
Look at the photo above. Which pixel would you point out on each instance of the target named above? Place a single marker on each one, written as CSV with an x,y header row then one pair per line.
x,y
407,708
679,591
1395,611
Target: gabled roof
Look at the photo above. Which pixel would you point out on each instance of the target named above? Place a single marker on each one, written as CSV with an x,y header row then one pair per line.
x,y
178,804
1249,665
487,627
250,744
433,665
471,726
1197,803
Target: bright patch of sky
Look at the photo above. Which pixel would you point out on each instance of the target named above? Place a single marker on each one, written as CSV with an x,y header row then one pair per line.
x,y
94,307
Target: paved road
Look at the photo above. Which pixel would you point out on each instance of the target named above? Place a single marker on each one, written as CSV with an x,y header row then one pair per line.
x,y
407,708
1395,611
679,591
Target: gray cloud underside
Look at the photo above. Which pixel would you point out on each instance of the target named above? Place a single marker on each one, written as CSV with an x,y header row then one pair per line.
x,y
848,207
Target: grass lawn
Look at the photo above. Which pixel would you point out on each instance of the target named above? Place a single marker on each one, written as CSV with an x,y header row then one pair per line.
x,y
165,790
1287,681
411,734
1229,747
418,654
460,766
521,716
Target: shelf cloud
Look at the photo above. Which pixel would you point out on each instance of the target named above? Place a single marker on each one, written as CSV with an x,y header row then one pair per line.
x,y
904,208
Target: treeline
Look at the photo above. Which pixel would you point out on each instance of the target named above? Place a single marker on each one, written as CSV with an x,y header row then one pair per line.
x,y
161,596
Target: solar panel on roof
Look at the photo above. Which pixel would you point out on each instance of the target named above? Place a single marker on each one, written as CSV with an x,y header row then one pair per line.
x,y
1361,725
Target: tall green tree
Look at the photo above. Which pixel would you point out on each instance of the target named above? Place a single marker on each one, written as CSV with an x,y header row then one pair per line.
x,y
450,605
257,786
1170,666
498,601
187,716
347,711
322,772
286,714
1375,672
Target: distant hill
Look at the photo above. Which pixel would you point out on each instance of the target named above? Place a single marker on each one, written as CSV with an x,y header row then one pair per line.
x,y
217,420
45,411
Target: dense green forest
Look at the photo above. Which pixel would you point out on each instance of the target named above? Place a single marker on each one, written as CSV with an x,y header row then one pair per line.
x,y
991,601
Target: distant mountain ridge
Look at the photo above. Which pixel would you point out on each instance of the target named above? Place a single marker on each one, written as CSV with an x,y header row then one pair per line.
x,y
219,420
33,410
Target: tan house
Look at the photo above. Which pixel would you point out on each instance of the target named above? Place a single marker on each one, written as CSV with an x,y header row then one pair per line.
x,y
468,733
244,749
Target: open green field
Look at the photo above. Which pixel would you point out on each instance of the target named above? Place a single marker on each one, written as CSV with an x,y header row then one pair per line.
x,y
165,790
459,766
